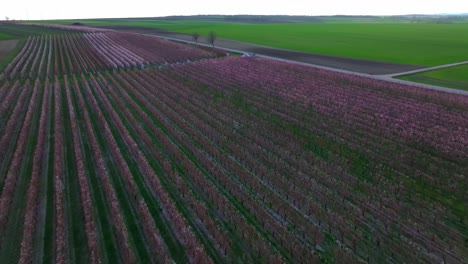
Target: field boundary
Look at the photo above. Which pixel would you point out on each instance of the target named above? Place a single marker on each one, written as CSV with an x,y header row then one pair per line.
x,y
345,63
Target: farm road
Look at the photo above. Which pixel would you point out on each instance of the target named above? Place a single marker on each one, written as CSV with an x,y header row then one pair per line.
x,y
348,70
349,64
427,69
367,75
377,77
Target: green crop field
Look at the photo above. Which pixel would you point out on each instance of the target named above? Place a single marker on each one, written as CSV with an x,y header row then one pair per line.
x,y
4,36
454,77
425,44
11,31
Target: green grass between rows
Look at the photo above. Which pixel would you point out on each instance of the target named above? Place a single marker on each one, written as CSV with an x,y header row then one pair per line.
x,y
4,36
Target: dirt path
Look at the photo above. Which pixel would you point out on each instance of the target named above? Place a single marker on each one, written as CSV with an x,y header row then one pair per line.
x,y
6,46
427,69
367,75
349,64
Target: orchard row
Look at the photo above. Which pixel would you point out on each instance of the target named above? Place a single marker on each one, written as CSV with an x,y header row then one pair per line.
x,y
46,56
222,160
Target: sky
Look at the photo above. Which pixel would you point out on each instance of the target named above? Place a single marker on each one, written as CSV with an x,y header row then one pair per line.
x,y
67,9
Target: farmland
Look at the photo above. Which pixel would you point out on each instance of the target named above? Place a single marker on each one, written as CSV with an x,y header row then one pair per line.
x,y
17,31
455,77
7,48
423,44
125,148
13,37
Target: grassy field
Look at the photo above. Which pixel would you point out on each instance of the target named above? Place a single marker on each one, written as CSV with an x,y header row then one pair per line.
x,y
24,31
4,36
454,77
426,44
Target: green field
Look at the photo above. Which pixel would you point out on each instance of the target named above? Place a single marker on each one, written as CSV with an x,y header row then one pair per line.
x,y
4,36
453,77
425,44
10,31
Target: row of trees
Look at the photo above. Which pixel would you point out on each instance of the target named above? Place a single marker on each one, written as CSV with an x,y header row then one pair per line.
x,y
211,38
317,115
225,160
49,55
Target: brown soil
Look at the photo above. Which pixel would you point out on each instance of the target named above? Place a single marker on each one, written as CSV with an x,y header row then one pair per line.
x,y
349,64
6,46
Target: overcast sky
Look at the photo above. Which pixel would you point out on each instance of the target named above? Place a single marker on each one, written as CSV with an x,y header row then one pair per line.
x,y
56,9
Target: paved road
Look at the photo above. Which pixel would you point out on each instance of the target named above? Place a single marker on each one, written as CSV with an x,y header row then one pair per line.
x,y
377,77
351,66
427,69
355,65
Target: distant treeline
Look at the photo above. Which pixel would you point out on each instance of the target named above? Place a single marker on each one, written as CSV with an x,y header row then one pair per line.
x,y
249,18
416,18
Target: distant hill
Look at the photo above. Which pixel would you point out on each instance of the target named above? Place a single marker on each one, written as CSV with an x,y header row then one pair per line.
x,y
252,19
412,18
248,18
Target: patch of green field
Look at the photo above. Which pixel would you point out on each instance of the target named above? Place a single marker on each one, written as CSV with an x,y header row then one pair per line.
x,y
4,36
426,44
15,31
453,77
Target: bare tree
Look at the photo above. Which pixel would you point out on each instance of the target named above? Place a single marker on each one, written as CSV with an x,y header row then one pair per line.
x,y
195,37
7,18
212,37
